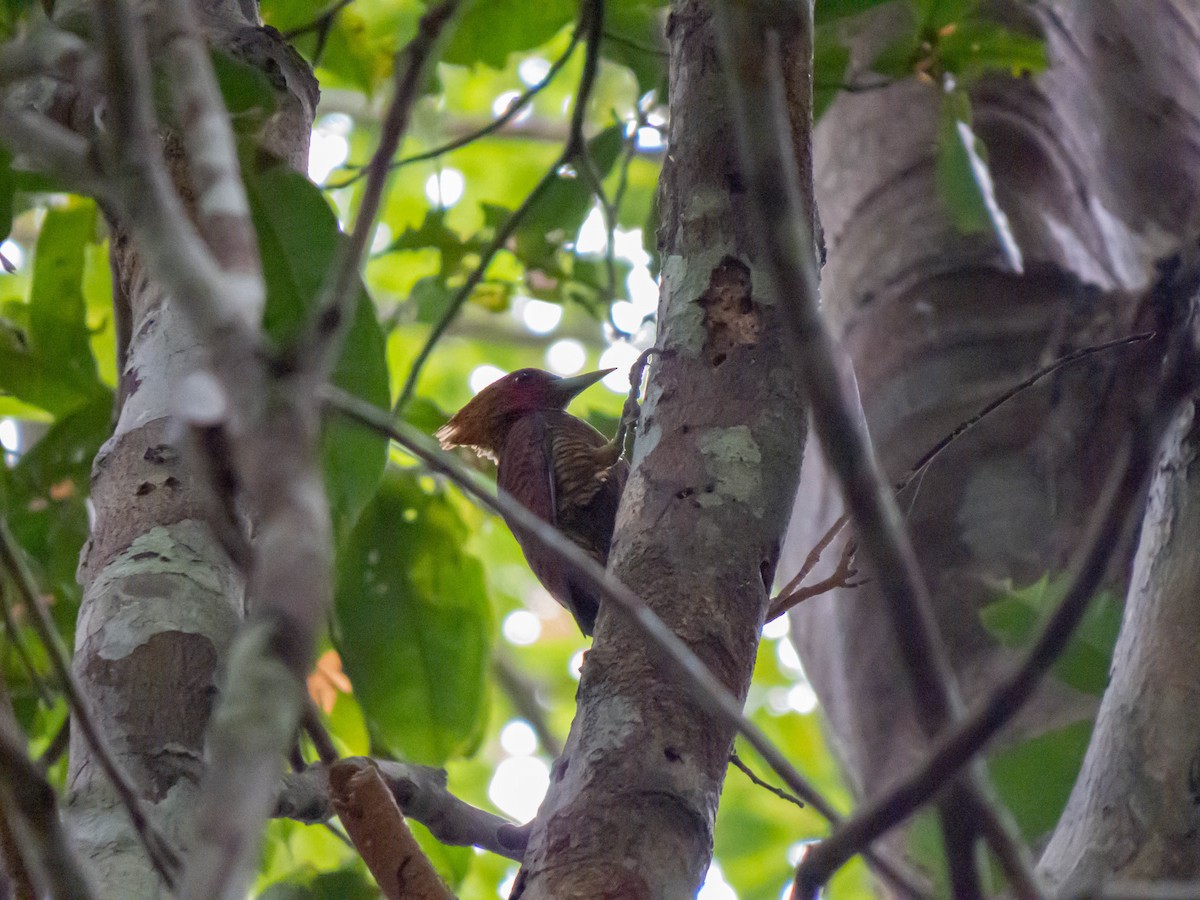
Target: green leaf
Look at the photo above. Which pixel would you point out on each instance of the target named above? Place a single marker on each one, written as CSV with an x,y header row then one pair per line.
x,y
965,181
299,239
415,622
490,30
57,310
246,90
975,47
1014,619
830,60
1034,778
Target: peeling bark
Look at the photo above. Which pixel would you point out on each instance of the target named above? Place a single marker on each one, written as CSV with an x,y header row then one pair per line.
x,y
632,800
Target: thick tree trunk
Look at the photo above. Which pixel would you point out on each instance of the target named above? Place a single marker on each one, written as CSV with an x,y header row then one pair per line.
x,y
1096,164
633,798
1133,814
162,599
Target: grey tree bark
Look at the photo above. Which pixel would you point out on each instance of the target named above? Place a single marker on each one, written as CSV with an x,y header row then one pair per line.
x,y
1133,815
162,599
1096,164
633,799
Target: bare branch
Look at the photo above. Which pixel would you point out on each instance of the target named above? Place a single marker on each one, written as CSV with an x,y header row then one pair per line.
x,y
421,794
29,808
48,147
222,210
373,820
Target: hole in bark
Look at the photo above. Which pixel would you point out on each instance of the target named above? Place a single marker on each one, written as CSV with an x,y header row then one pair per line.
x,y
672,754
732,318
684,494
144,488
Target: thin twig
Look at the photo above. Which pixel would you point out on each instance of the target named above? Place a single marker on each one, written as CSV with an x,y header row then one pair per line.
x,y
30,809
335,310
633,44
322,21
164,859
511,112
574,146
792,594
706,689
740,764
962,428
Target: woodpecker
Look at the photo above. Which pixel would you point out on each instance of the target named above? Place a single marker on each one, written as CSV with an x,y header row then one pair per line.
x,y
559,467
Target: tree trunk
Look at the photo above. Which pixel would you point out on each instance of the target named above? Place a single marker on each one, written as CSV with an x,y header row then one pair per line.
x,y
632,800
1133,814
1096,165
162,599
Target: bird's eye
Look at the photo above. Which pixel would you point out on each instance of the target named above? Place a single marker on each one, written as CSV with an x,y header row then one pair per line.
x,y
521,377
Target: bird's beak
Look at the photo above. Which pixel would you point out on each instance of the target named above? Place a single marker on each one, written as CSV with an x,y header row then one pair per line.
x,y
566,389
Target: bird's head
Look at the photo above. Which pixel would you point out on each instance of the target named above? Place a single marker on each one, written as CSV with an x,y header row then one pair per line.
x,y
484,422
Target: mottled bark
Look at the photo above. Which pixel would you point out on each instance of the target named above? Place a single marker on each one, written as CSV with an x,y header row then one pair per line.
x,y
633,798
162,599
1095,163
1134,814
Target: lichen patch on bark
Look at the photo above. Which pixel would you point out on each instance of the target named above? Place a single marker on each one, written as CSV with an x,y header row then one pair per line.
x,y
733,460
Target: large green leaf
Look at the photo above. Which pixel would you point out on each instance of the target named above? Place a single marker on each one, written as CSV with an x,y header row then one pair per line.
x,y
299,240
490,30
1034,778
830,60
45,351
1084,665
414,621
